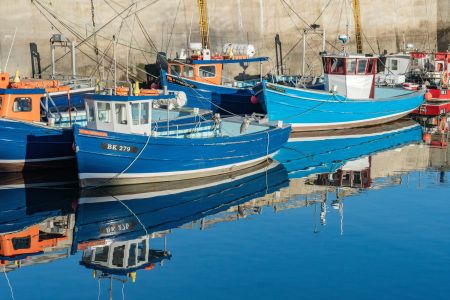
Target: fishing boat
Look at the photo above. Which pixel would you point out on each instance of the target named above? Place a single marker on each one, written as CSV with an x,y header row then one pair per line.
x,y
350,98
126,150
201,78
33,136
437,81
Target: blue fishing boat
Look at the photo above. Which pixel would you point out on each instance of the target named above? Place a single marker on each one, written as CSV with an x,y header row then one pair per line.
x,y
121,148
350,98
33,136
202,81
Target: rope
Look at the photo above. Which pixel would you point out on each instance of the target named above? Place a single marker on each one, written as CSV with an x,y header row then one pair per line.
x,y
132,212
9,283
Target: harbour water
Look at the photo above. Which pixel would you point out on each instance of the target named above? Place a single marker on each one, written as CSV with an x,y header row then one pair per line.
x,y
356,214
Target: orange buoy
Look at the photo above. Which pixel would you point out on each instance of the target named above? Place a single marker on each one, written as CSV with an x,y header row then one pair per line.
x,y
254,99
428,96
426,137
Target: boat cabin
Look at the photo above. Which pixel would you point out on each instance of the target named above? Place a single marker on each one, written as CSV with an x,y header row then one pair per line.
x,y
352,76
122,114
21,99
123,257
208,71
442,62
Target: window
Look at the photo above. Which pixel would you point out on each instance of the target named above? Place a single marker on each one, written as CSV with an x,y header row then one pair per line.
x,y
91,112
394,65
87,255
22,104
142,251
175,70
207,71
362,63
121,114
118,255
188,71
104,112
101,254
135,113
371,67
145,107
132,255
351,65
337,66
21,243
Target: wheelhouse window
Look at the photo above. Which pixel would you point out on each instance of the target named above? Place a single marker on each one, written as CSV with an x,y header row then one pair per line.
x,y
140,113
91,112
101,254
362,64
121,113
142,251
135,113
394,65
104,112
337,66
175,70
22,104
188,71
118,255
132,255
351,65
21,243
207,71
145,112
371,67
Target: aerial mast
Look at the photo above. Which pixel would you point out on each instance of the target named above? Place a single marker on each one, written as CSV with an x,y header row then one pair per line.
x,y
357,21
204,28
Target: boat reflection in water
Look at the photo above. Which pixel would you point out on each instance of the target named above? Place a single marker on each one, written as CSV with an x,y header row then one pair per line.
x,y
36,218
115,225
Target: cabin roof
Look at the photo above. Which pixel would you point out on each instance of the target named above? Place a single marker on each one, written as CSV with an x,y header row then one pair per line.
x,y
350,55
119,98
222,61
22,91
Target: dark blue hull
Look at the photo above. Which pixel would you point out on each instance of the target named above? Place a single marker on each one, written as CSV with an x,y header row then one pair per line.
x,y
26,146
224,100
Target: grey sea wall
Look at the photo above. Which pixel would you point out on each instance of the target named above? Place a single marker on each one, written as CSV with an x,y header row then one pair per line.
x,y
171,24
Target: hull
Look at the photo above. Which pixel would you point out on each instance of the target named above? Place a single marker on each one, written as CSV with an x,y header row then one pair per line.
x,y
160,208
26,146
160,159
221,99
309,110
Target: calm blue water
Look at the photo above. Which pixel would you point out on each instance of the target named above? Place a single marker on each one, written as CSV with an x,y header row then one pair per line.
x,y
299,229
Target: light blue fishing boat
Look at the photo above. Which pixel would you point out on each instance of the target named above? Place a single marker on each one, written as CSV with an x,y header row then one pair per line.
x,y
349,99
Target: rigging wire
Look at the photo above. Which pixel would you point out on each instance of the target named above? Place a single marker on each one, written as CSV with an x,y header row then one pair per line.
x,y
9,283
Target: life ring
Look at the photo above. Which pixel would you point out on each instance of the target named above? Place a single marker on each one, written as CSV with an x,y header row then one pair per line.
x,y
444,79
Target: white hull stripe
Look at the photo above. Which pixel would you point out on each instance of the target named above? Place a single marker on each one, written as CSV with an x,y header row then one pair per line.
x,y
299,125
355,136
17,161
166,174
85,200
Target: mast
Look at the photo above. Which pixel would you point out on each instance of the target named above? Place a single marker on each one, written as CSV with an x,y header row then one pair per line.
x,y
203,21
357,21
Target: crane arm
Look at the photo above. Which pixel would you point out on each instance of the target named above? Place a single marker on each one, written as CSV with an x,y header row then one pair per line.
x,y
357,21
204,27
